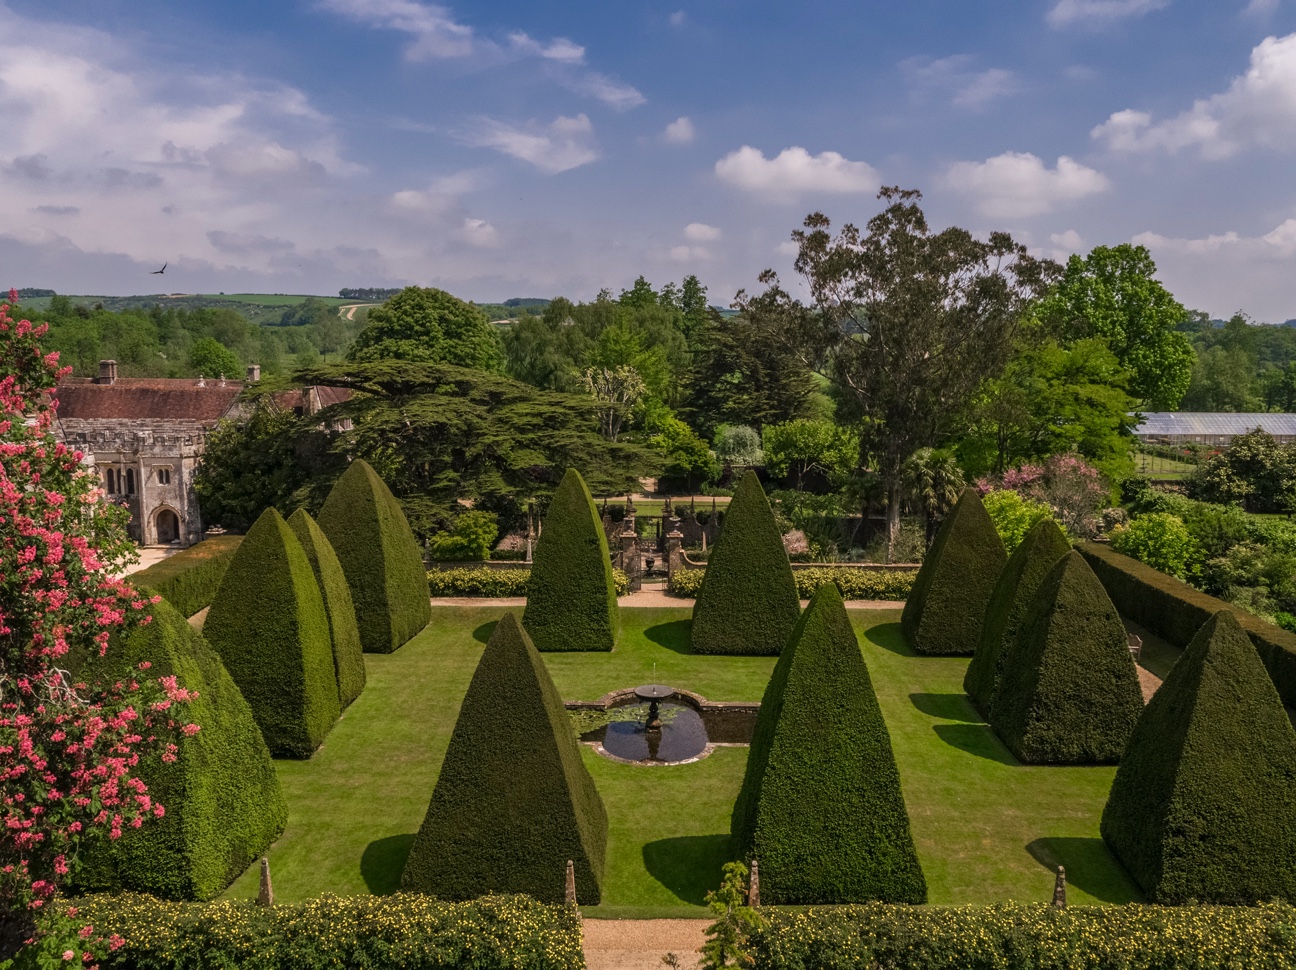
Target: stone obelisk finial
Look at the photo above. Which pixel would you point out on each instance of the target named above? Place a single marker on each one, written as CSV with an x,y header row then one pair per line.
x,y
266,896
1059,889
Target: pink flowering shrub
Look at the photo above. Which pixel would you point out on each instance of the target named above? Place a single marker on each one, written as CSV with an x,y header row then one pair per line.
x,y
69,752
1070,486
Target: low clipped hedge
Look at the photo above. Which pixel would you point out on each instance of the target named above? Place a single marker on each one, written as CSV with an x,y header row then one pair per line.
x,y
410,931
484,581
853,583
1016,936
1175,611
189,579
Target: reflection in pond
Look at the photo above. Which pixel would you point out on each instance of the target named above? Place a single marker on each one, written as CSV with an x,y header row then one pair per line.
x,y
684,732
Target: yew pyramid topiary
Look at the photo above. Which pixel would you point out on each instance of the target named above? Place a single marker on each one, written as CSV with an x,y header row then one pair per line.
x,y
1069,691
270,628
571,596
1204,803
952,590
513,801
348,656
821,806
1030,562
748,602
384,568
221,794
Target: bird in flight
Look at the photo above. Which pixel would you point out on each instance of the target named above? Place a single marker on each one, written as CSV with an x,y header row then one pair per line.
x,y
157,271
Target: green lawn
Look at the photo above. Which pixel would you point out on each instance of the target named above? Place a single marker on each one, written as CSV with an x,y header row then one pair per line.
x,y
987,829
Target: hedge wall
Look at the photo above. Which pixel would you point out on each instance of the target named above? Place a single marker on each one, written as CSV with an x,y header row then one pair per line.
x,y
269,626
1069,691
221,794
384,568
483,581
852,582
189,579
821,806
571,597
348,656
1175,611
748,602
1030,562
952,590
1017,936
412,932
513,801
1203,807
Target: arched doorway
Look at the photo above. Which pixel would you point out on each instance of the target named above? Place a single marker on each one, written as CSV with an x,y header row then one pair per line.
x,y
168,527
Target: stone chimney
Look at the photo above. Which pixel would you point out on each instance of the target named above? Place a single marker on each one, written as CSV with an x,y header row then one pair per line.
x,y
107,372
253,373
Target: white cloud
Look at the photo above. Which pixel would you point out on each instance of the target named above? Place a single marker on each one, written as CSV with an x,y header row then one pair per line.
x,y
1279,243
794,171
787,248
690,254
1069,241
435,31
955,78
1097,12
439,198
1259,108
1260,8
678,19
479,232
1016,185
562,49
680,131
701,232
436,34
1223,271
240,243
611,92
564,144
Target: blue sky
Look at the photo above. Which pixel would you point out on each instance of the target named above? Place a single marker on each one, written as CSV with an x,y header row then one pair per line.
x,y
536,149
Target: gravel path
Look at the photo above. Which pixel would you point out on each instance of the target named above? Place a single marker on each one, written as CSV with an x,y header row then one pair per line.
x,y
640,944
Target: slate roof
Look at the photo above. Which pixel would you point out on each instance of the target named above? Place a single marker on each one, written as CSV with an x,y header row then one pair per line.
x,y
1162,423
146,398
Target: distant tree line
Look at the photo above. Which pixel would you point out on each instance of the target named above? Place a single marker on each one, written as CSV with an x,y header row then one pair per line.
x,y
367,293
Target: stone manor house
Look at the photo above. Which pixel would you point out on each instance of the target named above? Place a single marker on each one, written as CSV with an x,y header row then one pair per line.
x,y
145,436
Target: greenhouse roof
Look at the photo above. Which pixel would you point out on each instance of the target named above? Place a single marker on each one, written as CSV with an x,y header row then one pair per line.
x,y
1159,423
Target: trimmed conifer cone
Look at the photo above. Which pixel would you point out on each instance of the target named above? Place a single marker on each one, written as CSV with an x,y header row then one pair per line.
x,y
380,557
222,800
748,602
821,805
269,626
571,595
514,801
947,605
1203,807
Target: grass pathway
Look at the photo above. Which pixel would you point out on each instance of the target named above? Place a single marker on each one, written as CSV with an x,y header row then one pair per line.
x,y
987,829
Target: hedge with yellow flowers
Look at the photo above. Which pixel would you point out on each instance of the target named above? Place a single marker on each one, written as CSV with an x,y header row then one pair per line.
x,y
1018,937
410,931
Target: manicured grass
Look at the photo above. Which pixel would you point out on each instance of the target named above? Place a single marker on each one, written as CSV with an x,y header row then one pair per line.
x,y
987,829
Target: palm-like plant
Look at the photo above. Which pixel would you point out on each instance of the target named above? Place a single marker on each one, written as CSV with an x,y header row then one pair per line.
x,y
934,482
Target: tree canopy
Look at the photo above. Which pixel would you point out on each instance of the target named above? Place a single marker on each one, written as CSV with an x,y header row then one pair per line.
x,y
428,325
1113,293
906,322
